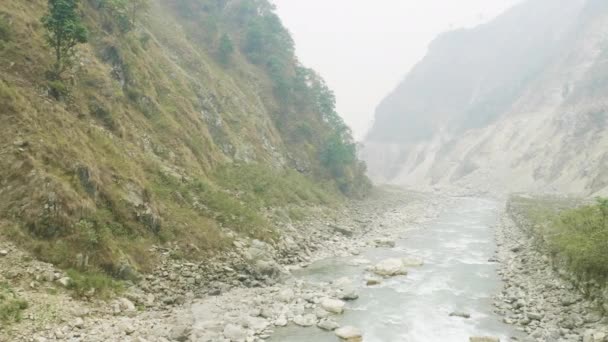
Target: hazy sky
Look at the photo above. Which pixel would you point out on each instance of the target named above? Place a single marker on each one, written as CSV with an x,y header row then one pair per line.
x,y
363,48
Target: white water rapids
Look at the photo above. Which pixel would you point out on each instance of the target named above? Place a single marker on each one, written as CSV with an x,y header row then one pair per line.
x,y
457,276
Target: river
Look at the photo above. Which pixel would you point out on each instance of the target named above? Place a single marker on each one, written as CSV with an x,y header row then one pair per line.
x,y
456,276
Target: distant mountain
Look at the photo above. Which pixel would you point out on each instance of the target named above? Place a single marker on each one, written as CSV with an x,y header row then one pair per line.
x,y
515,104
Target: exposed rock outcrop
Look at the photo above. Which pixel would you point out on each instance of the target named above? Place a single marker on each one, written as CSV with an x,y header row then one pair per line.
x,y
502,108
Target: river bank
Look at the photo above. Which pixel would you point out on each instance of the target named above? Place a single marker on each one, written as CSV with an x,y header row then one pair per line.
x,y
242,294
538,298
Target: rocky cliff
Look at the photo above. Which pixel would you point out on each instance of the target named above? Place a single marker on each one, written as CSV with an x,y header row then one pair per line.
x,y
515,104
186,123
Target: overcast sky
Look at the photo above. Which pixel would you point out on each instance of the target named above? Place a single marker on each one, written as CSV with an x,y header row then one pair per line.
x,y
363,48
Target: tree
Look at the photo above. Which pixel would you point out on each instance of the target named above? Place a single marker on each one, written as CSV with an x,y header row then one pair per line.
x,y
136,7
226,49
64,31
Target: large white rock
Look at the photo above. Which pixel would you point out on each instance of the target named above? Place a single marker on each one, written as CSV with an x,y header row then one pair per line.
x,y
281,321
235,333
349,293
390,267
126,305
257,324
349,334
328,324
286,295
334,306
306,320
65,281
342,282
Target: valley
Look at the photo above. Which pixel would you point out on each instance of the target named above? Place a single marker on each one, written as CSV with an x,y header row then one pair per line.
x,y
172,171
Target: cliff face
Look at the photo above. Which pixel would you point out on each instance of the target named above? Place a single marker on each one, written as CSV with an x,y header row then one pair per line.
x,y
516,104
185,128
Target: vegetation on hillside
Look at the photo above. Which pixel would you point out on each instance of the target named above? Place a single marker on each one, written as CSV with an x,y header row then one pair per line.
x,y
11,305
576,235
581,237
64,31
177,122
302,97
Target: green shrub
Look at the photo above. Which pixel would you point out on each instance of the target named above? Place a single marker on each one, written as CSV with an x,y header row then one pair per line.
x,y
5,29
213,203
260,186
58,89
10,305
226,49
97,284
8,97
580,237
576,235
103,114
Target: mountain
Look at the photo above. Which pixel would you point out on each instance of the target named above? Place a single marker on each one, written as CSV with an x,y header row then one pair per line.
x,y
517,104
182,122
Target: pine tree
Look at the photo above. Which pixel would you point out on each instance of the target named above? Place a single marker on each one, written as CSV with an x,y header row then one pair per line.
x,y
64,31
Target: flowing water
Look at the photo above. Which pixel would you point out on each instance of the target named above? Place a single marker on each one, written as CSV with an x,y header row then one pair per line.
x,y
457,276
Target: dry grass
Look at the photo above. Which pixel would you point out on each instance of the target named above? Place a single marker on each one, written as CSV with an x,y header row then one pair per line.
x,y
131,157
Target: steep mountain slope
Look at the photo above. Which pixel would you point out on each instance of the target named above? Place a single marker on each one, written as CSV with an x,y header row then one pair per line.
x,y
192,126
516,104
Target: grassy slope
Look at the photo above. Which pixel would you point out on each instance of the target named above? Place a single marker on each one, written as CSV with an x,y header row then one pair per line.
x,y
149,148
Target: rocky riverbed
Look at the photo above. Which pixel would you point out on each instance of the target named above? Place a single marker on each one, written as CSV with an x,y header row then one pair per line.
x,y
240,295
537,298
250,292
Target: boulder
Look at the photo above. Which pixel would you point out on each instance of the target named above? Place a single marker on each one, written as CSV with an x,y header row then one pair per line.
x,y
78,323
65,281
390,267
328,324
305,320
349,334
342,282
349,293
281,321
535,316
126,305
286,295
321,313
257,324
334,306
235,333
127,327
